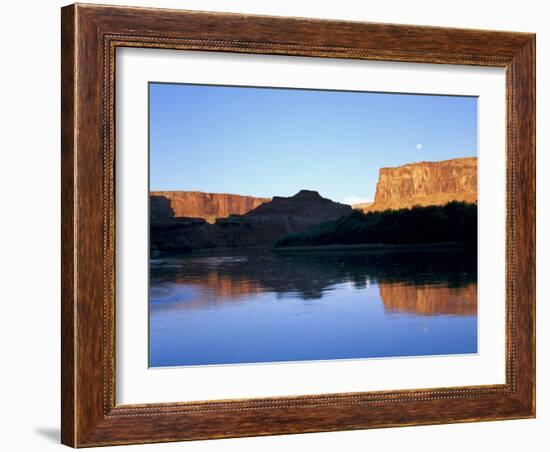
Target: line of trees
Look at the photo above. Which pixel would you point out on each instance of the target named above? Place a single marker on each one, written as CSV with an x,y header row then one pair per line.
x,y
453,222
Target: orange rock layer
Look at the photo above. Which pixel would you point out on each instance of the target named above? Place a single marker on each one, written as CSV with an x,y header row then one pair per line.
x,y
208,206
425,184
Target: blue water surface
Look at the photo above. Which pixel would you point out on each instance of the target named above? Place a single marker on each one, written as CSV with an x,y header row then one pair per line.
x,y
262,306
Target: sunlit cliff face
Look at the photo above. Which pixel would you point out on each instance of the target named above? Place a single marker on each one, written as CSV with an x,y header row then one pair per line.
x,y
424,184
208,206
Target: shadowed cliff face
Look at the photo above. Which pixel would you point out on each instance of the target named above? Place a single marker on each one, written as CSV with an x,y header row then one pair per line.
x,y
160,207
424,184
261,226
192,204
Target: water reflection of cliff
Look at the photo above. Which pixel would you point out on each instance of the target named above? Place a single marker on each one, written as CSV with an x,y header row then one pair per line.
x,y
429,299
421,282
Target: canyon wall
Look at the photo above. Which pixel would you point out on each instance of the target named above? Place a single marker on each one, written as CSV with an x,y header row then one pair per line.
x,y
260,226
424,184
194,204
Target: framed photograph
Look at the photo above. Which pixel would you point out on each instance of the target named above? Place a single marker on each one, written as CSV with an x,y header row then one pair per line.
x,y
280,225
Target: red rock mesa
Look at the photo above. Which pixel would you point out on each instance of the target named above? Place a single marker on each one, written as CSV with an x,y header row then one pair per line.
x,y
425,184
208,206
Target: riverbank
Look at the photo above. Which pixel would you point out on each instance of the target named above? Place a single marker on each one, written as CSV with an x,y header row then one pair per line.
x,y
363,248
375,247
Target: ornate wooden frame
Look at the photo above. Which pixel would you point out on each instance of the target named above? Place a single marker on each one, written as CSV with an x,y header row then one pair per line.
x,y
90,35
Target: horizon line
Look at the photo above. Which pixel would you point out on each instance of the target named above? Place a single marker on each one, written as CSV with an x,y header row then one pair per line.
x,y
371,198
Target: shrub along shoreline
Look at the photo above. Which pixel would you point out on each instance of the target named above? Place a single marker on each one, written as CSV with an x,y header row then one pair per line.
x,y
454,222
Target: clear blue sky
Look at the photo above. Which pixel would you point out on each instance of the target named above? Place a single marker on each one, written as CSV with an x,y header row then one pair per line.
x,y
267,142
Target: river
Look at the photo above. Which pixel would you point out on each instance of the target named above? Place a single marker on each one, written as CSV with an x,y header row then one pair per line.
x,y
262,306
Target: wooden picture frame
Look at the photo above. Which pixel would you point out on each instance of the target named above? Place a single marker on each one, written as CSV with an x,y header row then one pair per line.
x,y
90,36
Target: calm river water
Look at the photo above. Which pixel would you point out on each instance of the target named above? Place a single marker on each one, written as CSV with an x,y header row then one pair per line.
x,y
261,306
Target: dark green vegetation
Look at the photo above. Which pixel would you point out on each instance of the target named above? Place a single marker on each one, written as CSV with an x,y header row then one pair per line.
x,y
453,222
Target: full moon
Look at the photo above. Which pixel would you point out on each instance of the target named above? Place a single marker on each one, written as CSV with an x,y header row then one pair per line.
x,y
419,146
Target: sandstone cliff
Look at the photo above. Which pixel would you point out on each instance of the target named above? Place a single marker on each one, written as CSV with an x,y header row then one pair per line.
x,y
261,226
193,204
425,183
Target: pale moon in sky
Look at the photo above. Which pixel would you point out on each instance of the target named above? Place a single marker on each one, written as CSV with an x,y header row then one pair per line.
x,y
419,146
